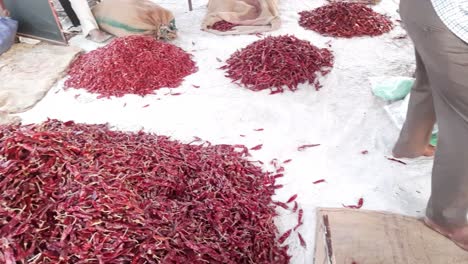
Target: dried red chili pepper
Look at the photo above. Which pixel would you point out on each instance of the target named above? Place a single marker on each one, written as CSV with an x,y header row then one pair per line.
x,y
258,147
76,193
303,147
319,181
281,204
278,62
195,86
358,206
346,20
299,219
295,207
287,161
280,169
131,65
223,26
364,152
292,198
259,129
284,236
145,106
397,160
301,240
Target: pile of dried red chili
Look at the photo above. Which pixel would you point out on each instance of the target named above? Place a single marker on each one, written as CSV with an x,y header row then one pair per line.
x,y
223,26
76,193
277,62
131,65
342,19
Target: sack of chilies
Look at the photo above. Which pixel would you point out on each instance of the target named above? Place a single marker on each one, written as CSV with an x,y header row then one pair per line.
x,y
8,28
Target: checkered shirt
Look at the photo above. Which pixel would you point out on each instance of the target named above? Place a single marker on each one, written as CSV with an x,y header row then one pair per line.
x,y
454,14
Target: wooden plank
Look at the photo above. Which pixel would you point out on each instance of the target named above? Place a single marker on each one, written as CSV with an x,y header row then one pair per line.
x,y
369,237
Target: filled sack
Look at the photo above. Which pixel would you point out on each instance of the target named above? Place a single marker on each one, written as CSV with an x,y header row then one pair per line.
x,y
248,16
135,17
8,28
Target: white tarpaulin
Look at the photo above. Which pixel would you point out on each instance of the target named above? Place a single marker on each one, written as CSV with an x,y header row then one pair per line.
x,y
344,117
27,72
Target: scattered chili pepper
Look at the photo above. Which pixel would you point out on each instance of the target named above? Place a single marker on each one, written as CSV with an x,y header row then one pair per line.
x,y
175,94
300,214
195,86
242,135
319,181
280,175
219,60
292,198
403,36
278,62
78,193
145,106
223,26
364,152
346,20
284,236
303,147
301,240
295,207
279,186
125,104
258,147
281,204
280,169
287,161
259,129
397,160
131,65
77,95
274,162
358,206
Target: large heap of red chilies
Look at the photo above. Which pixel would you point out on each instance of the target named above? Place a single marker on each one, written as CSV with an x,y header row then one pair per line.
x,y
75,193
277,62
131,65
342,19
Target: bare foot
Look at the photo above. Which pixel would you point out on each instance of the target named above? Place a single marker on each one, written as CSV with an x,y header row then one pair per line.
x,y
459,236
99,36
429,151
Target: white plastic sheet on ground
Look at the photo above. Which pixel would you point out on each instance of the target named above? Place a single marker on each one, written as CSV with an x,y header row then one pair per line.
x,y
344,117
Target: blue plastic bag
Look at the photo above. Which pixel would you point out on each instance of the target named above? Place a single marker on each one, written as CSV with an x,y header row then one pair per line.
x,y
8,28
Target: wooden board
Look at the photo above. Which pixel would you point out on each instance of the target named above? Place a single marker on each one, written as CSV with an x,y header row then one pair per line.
x,y
346,236
37,19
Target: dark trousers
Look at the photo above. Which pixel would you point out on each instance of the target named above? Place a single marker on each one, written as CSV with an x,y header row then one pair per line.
x,y
70,13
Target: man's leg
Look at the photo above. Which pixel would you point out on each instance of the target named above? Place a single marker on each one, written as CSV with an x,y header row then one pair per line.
x,y
420,118
70,13
445,57
88,23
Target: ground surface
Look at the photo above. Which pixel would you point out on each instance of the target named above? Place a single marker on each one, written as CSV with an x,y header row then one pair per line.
x,y
344,117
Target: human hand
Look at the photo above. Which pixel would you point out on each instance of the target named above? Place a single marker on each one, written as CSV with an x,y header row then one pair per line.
x,y
4,13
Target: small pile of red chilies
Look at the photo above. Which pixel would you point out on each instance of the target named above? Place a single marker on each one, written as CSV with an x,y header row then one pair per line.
x,y
131,65
345,20
277,62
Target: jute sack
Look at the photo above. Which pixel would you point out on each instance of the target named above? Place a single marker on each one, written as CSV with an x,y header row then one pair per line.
x,y
251,16
135,17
